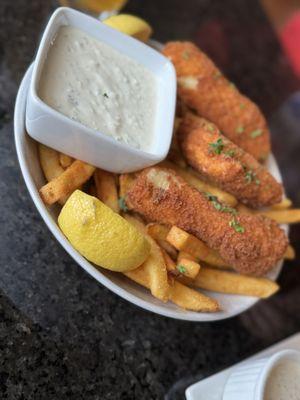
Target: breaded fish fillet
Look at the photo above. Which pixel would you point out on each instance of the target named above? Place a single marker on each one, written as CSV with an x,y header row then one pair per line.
x,y
223,163
203,88
251,244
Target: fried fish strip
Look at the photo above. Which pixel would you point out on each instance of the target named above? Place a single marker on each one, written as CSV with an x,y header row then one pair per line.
x,y
226,165
203,88
251,244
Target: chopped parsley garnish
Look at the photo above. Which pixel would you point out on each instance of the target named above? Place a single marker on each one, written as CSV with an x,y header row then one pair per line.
x,y
186,55
217,75
122,204
217,147
242,106
240,129
219,206
236,226
250,176
181,269
105,95
257,132
229,153
210,127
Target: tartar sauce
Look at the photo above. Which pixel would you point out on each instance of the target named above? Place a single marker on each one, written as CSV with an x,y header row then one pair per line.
x,y
98,86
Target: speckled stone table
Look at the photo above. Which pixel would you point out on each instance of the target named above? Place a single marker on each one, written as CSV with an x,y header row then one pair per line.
x,y
62,335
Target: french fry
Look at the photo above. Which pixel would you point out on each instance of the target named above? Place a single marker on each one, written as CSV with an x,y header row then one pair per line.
x,y
154,267
65,160
106,189
187,265
159,232
291,216
233,283
49,159
183,241
190,299
290,253
63,185
170,264
283,205
168,248
194,180
125,181
179,294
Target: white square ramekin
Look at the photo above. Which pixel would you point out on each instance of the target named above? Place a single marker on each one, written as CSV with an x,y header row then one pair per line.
x,y
248,381
54,129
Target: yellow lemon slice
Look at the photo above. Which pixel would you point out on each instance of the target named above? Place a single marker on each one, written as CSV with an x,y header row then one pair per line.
x,y
101,235
130,25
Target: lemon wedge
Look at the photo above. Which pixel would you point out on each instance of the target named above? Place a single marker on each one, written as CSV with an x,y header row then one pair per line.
x,y
130,25
101,235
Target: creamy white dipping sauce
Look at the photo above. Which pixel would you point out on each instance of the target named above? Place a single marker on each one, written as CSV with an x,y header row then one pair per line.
x,y
284,382
101,88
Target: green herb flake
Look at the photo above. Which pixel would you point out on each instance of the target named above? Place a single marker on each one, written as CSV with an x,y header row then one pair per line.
x,y
217,147
242,106
236,226
230,153
105,95
219,206
250,176
257,132
181,269
210,127
240,129
122,204
186,55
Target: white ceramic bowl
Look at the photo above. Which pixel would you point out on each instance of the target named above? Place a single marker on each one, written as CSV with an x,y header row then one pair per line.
x,y
34,179
54,129
248,381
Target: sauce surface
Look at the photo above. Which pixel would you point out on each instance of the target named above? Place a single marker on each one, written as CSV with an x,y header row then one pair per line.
x,y
101,88
284,382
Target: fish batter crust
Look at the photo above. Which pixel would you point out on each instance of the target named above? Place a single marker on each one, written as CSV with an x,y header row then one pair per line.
x,y
226,165
251,244
203,88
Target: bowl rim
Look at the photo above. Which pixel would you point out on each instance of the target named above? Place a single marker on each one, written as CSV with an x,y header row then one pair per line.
x,y
20,137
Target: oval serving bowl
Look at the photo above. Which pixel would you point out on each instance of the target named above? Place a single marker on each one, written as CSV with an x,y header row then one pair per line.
x,y
29,163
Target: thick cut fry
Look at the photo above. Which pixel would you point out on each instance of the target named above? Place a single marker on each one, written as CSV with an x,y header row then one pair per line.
x,y
181,295
65,160
159,232
170,264
283,205
125,181
188,243
192,179
187,265
49,159
168,248
63,185
106,189
290,253
291,216
232,283
154,266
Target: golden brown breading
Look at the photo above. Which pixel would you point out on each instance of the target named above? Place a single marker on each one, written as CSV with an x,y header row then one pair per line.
x,y
251,244
204,89
221,162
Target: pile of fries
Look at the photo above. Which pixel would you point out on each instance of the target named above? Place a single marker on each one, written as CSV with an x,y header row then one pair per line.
x,y
178,262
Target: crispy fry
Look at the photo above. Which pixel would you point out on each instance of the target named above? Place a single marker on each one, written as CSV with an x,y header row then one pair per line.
x,y
168,248
190,299
180,294
125,180
283,205
291,216
290,253
106,189
65,160
170,264
63,185
49,159
187,265
192,179
188,243
154,266
159,232
233,283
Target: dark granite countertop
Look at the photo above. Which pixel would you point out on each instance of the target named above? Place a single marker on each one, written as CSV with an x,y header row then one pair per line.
x,y
62,335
